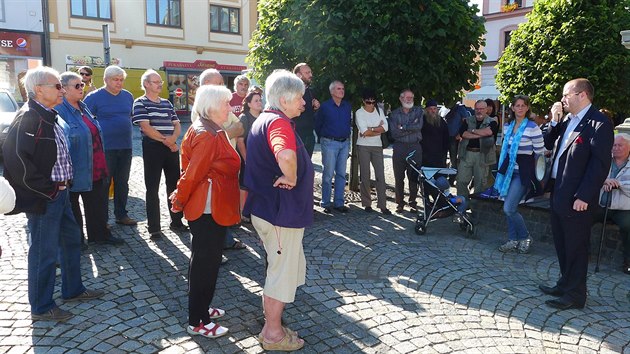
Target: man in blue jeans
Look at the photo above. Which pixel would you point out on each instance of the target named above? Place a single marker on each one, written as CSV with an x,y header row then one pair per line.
x,y
333,126
37,164
112,105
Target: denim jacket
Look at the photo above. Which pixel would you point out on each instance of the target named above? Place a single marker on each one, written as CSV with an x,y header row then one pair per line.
x,y
79,143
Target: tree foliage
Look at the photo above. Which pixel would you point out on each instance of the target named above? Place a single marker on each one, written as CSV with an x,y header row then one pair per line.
x,y
567,39
431,46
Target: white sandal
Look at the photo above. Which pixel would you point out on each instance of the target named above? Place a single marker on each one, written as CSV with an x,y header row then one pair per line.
x,y
211,330
215,313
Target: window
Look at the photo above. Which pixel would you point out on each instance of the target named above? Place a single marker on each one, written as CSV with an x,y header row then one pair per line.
x,y
519,3
224,19
507,38
164,12
101,9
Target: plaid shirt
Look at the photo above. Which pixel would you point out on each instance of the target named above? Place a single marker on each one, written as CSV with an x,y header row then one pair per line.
x,y
62,170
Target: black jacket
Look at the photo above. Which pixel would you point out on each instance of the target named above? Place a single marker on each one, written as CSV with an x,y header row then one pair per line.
x,y
30,152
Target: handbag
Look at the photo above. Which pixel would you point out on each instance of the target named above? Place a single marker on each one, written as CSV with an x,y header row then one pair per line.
x,y
385,142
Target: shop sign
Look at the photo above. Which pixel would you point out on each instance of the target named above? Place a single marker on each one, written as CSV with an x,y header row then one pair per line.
x,y
20,44
202,65
90,60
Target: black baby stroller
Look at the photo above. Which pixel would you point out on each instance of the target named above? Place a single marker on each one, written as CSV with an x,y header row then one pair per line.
x,y
445,204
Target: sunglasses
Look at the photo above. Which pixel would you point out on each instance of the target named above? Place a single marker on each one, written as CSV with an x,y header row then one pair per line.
x,y
85,74
369,101
79,86
57,86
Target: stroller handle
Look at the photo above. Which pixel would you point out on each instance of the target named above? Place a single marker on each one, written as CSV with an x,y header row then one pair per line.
x,y
410,159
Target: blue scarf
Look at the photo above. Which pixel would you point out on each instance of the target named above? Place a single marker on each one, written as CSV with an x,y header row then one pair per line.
x,y
502,182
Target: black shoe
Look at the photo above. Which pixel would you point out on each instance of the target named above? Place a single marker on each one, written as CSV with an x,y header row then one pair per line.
x,y
87,295
178,227
54,314
328,210
400,210
157,235
343,209
127,221
386,211
553,291
368,209
561,304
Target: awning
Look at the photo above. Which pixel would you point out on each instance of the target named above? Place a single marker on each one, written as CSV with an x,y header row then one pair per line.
x,y
482,93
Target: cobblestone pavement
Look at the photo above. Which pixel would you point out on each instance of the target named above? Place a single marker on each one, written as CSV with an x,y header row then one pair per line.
x,y
372,286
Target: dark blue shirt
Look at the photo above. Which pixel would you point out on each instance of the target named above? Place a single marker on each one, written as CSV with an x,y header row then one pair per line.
x,y
332,121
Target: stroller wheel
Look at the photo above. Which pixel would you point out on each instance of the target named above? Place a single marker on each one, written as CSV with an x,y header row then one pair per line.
x,y
420,229
471,230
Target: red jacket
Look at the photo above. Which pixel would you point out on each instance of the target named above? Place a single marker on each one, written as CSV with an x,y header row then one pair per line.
x,y
207,155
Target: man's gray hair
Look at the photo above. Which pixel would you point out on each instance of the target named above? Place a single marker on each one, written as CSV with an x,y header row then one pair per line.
x,y
209,98
68,76
239,79
37,76
146,76
624,136
114,70
282,84
332,85
207,75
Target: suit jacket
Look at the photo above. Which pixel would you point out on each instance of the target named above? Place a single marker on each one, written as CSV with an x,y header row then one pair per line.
x,y
584,162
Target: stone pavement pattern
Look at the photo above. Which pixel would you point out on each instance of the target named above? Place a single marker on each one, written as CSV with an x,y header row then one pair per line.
x,y
372,286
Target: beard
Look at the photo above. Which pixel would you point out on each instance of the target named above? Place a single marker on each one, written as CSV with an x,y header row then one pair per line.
x,y
407,105
432,118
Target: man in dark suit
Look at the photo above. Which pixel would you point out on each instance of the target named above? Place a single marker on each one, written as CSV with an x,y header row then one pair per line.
x,y
581,144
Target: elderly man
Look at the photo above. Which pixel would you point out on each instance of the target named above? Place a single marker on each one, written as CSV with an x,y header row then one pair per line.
x,y
333,126
581,147
112,105
476,150
37,164
305,123
406,129
241,85
435,144
616,189
280,180
234,128
160,129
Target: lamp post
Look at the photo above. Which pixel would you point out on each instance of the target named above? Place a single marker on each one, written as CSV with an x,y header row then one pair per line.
x,y
625,126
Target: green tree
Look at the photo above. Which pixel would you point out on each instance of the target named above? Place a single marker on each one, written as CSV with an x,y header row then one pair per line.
x,y
567,39
431,46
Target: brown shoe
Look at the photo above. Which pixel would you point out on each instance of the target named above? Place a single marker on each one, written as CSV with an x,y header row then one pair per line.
x,y
54,314
127,221
87,295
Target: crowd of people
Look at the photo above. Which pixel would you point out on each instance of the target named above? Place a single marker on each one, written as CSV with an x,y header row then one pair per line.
x,y
66,144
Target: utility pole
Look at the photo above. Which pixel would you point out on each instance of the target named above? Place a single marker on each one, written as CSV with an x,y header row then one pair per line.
x,y
106,44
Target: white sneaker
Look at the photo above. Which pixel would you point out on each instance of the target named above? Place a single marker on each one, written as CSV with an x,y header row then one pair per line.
x,y
211,330
215,313
509,246
523,245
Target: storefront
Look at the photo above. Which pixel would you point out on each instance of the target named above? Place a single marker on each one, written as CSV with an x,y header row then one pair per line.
x,y
19,51
185,77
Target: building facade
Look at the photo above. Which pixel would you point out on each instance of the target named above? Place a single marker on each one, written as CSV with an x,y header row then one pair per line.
x,y
179,38
22,42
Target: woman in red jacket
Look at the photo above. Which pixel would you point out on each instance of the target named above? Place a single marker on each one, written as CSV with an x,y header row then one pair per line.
x,y
208,194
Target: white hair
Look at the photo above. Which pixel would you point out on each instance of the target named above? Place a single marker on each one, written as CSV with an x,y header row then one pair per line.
x,y
207,75
37,76
332,85
146,76
68,76
114,70
282,84
209,98
239,79
624,136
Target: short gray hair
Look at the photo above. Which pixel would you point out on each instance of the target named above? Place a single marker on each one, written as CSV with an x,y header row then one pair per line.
x,y
145,77
37,76
282,84
68,76
209,98
208,74
332,85
239,79
624,136
114,70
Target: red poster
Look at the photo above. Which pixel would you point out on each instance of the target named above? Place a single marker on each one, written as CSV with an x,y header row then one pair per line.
x,y
20,44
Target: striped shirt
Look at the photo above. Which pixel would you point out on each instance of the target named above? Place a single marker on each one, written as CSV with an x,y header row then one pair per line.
x,y
160,115
531,141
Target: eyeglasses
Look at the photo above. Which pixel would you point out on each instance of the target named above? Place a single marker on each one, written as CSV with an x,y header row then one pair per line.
x,y
157,82
571,93
79,86
85,74
369,101
57,86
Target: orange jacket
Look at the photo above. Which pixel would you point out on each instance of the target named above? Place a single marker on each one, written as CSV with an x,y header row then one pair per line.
x,y
207,155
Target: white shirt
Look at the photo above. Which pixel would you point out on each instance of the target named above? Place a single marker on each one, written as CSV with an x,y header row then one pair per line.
x,y
573,123
364,120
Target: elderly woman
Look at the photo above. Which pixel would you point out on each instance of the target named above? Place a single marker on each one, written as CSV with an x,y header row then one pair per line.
x,y
85,143
252,107
207,193
279,178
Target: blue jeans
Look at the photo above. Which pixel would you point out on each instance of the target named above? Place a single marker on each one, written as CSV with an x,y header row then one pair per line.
x,y
119,166
516,225
53,235
334,159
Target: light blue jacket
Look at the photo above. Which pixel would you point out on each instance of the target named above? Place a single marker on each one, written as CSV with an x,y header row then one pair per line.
x,y
79,143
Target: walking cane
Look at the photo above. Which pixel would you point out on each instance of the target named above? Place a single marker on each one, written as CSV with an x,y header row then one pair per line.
x,y
601,239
